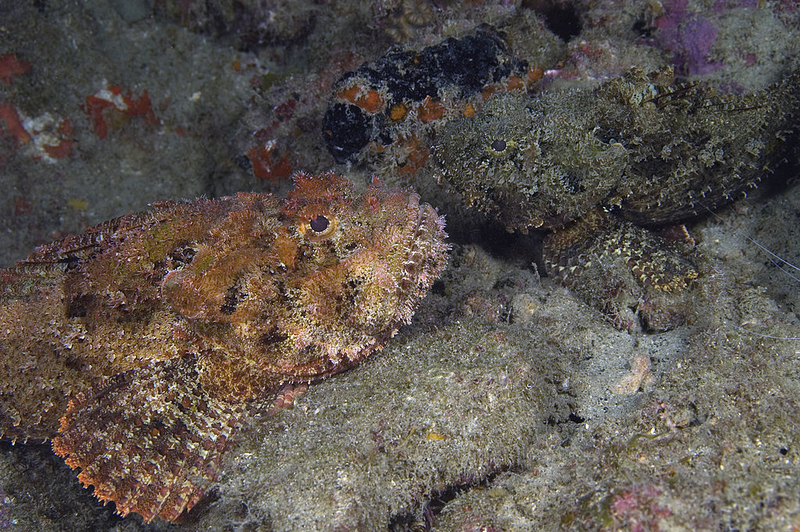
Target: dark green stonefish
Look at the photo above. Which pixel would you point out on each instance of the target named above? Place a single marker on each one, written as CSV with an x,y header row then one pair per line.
x,y
612,171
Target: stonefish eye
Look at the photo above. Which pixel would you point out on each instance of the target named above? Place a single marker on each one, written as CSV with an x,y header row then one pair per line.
x,y
500,147
318,224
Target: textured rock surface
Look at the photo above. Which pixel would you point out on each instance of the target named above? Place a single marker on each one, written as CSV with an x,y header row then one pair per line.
x,y
709,444
673,406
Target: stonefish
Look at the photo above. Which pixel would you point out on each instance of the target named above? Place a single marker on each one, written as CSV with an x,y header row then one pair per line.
x,y
612,171
141,346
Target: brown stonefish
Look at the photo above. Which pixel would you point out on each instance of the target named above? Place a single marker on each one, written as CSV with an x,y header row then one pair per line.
x,y
140,345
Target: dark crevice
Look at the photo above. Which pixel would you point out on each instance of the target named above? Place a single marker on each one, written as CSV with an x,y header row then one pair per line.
x,y
409,522
563,20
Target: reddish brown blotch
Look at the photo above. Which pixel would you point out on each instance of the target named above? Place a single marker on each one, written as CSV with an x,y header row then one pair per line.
x,y
14,126
10,66
116,101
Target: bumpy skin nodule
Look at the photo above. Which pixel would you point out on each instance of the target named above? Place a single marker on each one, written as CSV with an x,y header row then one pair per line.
x,y
139,345
639,149
371,103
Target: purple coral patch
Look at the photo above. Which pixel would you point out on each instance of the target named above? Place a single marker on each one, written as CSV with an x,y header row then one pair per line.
x,y
689,36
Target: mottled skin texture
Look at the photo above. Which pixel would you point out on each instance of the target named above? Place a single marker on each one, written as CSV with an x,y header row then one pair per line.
x,y
140,346
400,98
599,166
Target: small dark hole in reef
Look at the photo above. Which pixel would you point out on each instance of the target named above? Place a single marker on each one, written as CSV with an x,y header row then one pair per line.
x,y
74,364
438,287
572,418
243,162
607,134
572,183
563,20
643,29
575,418
439,499
78,306
346,130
